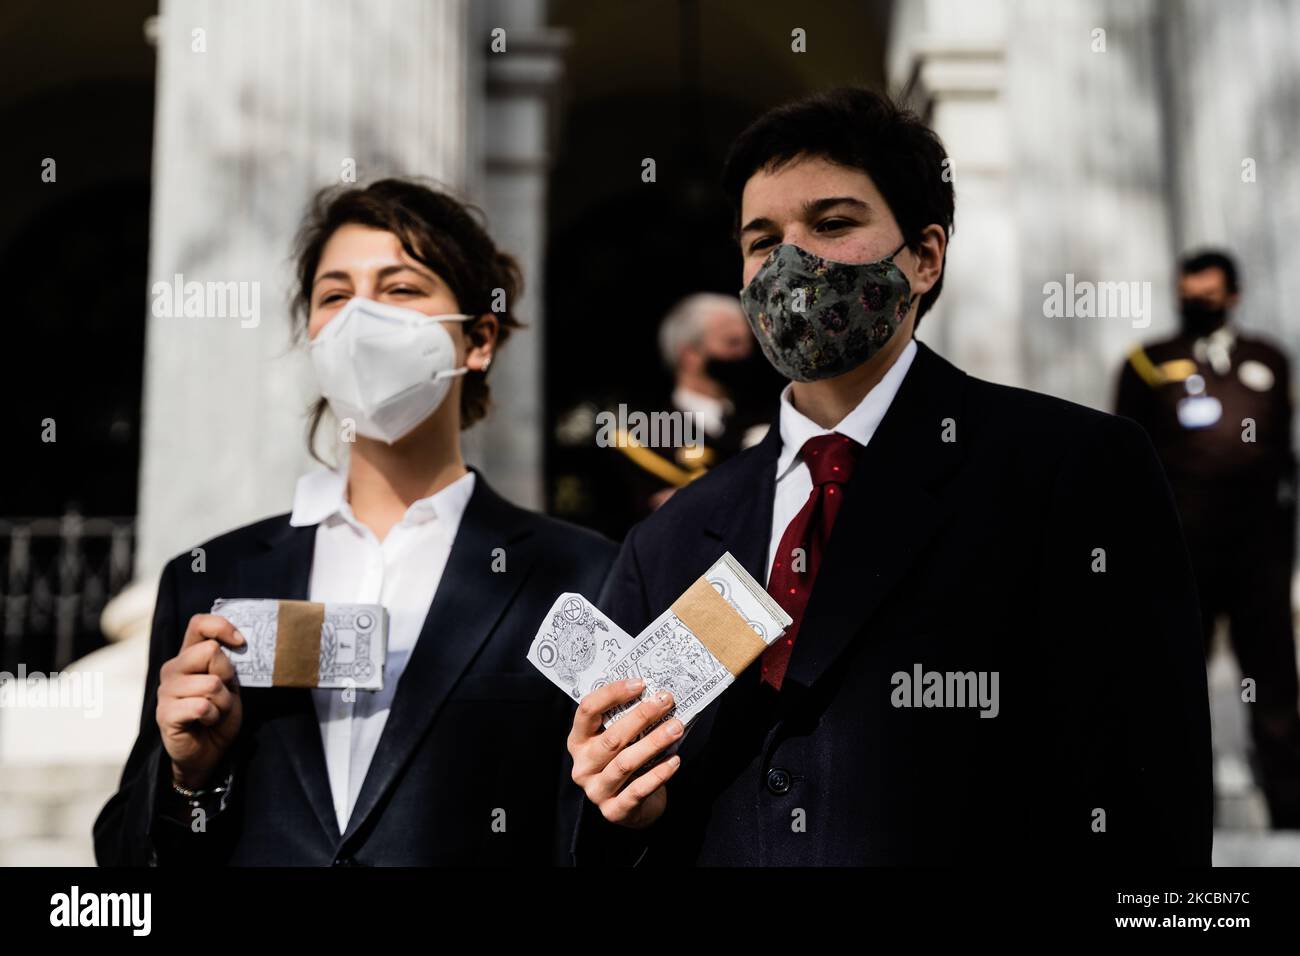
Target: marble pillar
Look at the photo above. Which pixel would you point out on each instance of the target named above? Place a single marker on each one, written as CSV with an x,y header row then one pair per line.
x,y
1058,149
949,66
511,145
1233,112
259,105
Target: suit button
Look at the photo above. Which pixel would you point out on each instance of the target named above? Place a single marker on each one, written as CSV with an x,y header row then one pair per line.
x,y
343,861
778,780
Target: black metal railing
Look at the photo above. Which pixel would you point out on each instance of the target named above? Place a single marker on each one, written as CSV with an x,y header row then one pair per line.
x,y
56,575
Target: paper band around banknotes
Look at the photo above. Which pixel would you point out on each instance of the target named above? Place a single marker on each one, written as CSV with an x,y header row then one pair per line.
x,y
718,626
298,626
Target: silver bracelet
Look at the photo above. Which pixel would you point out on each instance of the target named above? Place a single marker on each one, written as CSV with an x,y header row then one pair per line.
x,y
196,796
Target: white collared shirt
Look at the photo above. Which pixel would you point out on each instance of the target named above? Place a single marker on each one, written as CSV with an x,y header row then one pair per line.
x,y
711,412
793,479
402,573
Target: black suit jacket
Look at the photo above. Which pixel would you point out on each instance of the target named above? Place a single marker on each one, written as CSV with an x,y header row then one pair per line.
x,y
983,553
473,730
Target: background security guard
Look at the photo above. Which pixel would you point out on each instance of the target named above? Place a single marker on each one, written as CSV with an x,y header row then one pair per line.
x,y
1218,407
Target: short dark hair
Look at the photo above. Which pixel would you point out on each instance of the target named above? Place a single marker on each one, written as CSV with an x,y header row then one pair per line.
x,y
862,129
1204,259
436,229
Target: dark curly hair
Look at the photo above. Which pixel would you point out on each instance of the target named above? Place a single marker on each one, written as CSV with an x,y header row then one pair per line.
x,y
435,229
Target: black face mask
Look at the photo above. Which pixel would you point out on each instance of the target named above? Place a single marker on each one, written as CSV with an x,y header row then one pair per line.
x,y
1200,318
744,379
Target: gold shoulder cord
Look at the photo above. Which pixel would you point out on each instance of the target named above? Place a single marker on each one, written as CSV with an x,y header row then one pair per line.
x,y
660,467
1143,365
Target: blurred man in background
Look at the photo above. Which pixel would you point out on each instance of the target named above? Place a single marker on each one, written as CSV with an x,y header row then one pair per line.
x,y
718,379
1217,405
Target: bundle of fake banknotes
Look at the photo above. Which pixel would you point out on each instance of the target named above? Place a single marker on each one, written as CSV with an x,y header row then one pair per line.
x,y
307,643
694,649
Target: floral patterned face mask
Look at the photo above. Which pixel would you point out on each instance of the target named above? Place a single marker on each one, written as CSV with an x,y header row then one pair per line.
x,y
816,318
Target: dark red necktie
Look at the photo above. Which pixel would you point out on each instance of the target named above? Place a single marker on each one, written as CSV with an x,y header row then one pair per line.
x,y
830,459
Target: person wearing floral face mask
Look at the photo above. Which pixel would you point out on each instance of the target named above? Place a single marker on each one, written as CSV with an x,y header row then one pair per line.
x,y
995,650
460,758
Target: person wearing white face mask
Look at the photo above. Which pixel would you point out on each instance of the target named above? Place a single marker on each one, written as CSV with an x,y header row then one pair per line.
x,y
460,758
383,368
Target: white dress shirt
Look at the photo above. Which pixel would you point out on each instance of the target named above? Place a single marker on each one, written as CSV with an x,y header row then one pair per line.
x,y
793,479
402,573
711,412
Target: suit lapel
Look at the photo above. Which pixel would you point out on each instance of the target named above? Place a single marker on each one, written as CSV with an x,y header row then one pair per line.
x,y
891,511
283,572
742,519
470,600
740,523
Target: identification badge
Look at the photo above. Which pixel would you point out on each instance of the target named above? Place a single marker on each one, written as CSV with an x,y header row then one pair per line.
x,y
1255,375
1199,411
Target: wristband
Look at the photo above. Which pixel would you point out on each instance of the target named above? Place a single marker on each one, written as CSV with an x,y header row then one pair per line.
x,y
195,798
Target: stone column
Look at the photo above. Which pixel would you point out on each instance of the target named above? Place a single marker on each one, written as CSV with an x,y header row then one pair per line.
x,y
1059,156
511,142
1234,122
260,104
947,61
1090,176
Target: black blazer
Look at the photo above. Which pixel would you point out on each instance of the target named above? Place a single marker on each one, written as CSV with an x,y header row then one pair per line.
x,y
980,553
473,729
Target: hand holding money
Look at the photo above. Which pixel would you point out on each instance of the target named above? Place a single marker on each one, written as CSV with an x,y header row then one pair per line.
x,y
307,643
606,759
639,695
199,711
694,649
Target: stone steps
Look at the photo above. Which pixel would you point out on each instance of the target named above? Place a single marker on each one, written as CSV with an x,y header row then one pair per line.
x,y
47,811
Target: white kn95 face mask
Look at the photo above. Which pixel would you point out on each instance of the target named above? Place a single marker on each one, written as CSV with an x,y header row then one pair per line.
x,y
385,367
